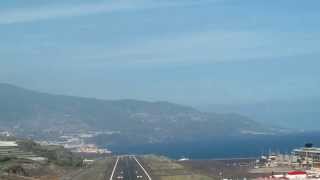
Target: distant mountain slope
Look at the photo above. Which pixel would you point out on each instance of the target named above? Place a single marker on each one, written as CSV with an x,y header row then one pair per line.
x,y
135,121
302,114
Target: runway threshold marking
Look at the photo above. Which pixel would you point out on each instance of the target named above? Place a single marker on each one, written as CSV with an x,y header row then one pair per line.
x,y
114,168
142,168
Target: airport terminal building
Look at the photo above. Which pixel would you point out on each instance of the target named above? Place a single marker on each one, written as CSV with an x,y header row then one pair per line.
x,y
308,155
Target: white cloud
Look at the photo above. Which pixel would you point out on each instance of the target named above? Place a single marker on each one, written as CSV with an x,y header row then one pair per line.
x,y
42,13
11,16
212,46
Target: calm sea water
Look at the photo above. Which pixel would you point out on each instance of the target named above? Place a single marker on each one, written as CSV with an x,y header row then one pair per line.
x,y
227,147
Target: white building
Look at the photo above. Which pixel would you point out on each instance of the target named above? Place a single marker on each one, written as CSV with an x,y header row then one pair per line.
x,y
8,144
308,155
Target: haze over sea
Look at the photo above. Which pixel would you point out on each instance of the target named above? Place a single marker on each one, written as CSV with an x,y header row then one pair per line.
x,y
219,148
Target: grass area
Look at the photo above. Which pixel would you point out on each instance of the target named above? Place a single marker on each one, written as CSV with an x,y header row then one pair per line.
x,y
163,168
55,154
97,171
20,169
186,177
161,162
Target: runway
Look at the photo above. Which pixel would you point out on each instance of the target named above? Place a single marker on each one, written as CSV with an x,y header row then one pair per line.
x,y
129,168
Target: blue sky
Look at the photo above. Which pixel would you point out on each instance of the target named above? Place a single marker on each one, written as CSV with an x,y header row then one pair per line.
x,y
184,51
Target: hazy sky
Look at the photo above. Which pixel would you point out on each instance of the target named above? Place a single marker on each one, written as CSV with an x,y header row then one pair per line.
x,y
185,51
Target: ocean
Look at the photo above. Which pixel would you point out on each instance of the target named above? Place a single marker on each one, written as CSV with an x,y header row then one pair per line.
x,y
227,147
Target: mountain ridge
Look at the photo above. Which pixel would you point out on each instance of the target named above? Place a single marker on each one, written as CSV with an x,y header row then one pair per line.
x,y
137,121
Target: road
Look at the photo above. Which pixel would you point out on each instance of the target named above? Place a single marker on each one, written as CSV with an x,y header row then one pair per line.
x,y
129,168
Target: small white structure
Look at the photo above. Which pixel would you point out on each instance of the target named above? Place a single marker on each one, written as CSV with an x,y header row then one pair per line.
x,y
88,161
183,159
8,144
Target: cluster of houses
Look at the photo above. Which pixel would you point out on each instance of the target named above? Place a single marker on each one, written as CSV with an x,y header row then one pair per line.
x,y
77,143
